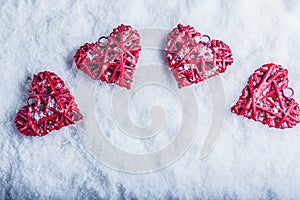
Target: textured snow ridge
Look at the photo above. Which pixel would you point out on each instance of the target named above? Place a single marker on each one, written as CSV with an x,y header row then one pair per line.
x,y
250,161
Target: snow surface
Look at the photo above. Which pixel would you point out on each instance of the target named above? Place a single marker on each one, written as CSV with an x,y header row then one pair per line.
x,y
250,161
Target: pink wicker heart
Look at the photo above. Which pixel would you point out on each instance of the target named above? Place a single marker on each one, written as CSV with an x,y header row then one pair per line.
x,y
50,106
193,60
113,61
263,99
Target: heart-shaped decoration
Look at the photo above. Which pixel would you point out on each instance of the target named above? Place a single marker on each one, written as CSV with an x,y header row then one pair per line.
x,y
264,98
193,60
113,61
50,106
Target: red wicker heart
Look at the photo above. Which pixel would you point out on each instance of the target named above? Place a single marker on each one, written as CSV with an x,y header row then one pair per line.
x,y
193,60
263,99
50,106
113,61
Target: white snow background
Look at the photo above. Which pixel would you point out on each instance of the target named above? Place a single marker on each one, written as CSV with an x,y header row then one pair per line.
x,y
250,161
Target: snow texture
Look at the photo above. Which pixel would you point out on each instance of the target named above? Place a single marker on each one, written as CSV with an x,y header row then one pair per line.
x,y
250,161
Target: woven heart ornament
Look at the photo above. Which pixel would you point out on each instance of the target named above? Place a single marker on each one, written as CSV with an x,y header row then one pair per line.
x,y
50,106
264,98
193,60
113,60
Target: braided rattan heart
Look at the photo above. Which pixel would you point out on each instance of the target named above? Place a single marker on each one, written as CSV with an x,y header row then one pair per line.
x,y
193,60
50,106
113,61
264,100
